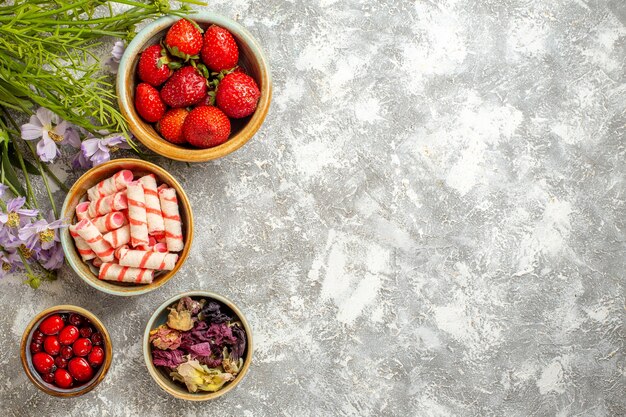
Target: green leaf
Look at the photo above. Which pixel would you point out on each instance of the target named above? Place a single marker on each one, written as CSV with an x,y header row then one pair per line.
x,y
203,70
30,168
9,172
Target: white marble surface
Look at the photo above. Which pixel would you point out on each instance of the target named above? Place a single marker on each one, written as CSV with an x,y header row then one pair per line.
x,y
430,222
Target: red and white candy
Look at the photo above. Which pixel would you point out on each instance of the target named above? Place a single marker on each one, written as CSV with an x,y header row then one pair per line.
x,y
110,221
148,259
137,214
118,237
129,228
115,272
93,237
82,210
153,205
84,250
104,205
171,218
111,185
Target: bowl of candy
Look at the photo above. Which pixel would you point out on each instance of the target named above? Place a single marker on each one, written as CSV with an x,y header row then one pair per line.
x,y
131,227
194,89
197,346
66,351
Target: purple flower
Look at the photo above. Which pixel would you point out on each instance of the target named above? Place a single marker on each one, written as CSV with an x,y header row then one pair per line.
x,y
52,258
116,55
52,131
42,232
99,150
15,215
80,161
9,261
3,188
8,240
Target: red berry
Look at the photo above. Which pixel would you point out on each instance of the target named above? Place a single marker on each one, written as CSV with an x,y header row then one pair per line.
x,y
52,325
148,103
76,319
63,379
66,352
207,100
152,67
51,345
86,331
237,95
96,356
96,339
60,362
184,39
43,362
49,377
38,337
79,368
206,126
219,51
82,347
68,335
35,347
171,125
185,88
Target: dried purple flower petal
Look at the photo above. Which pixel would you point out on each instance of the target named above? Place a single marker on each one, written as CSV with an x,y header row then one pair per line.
x,y
168,358
212,313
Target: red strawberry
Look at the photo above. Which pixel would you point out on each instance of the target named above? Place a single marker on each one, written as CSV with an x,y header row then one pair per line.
x,y
237,95
185,88
184,39
206,126
219,51
148,103
153,66
171,125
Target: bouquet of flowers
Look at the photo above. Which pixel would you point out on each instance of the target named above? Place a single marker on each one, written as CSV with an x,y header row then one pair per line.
x,y
51,76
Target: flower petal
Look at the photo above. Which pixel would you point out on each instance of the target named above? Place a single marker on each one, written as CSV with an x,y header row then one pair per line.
x,y
46,116
31,131
47,149
80,161
15,204
27,212
118,50
89,147
100,157
71,136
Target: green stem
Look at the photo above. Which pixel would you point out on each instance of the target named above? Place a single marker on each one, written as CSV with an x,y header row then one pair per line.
x,y
13,190
29,188
45,180
56,179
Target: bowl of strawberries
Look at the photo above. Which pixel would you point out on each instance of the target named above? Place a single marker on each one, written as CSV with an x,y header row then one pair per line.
x,y
194,89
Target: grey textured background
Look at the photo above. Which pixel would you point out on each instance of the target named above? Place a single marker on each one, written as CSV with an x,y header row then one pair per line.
x,y
430,222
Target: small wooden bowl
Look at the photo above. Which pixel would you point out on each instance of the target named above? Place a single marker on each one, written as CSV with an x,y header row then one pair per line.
x,y
26,355
251,58
162,379
78,193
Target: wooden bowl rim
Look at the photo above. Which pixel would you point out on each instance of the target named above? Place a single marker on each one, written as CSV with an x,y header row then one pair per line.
x,y
185,206
60,392
161,146
183,393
